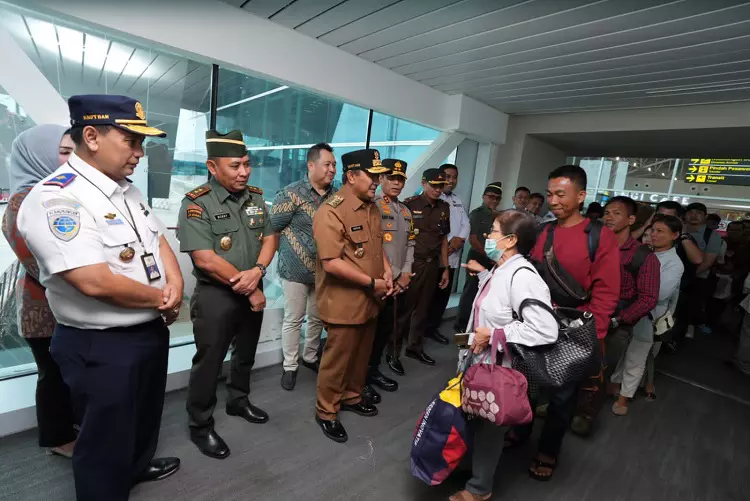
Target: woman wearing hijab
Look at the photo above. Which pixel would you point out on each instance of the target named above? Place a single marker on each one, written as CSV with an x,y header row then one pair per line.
x,y
37,153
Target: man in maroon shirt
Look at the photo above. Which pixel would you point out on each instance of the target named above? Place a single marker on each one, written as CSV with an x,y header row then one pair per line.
x,y
566,191
639,292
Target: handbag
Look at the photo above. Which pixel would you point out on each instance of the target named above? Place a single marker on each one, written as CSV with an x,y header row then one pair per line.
x,y
441,438
663,324
573,357
496,393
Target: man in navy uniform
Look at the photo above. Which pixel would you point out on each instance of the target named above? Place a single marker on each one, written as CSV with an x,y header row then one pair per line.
x,y
114,285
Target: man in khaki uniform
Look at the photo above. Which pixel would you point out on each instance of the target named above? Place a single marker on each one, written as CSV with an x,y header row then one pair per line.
x,y
225,227
352,277
431,217
398,243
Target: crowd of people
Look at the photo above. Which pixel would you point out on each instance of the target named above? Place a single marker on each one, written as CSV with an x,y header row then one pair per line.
x,y
101,285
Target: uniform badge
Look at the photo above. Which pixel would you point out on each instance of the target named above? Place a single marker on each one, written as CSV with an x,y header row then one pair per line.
x,y
389,225
61,180
127,254
223,215
110,215
64,223
360,252
139,111
194,211
416,231
225,242
387,237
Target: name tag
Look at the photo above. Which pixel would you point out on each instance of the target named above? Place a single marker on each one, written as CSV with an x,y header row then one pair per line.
x,y
224,215
114,222
356,228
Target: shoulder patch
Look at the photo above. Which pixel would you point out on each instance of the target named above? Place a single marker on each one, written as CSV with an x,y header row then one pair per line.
x,y
194,211
254,189
335,200
198,192
61,180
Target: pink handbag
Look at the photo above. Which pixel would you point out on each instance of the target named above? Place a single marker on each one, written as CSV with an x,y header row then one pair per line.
x,y
496,393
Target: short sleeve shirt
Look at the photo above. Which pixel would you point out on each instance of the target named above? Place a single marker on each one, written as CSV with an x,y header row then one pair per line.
x,y
398,235
349,229
232,225
431,226
80,217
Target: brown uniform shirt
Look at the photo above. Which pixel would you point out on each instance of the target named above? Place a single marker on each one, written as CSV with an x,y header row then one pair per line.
x,y
431,225
346,227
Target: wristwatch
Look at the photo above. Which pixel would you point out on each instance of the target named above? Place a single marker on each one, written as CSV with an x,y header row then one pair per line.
x,y
262,268
372,284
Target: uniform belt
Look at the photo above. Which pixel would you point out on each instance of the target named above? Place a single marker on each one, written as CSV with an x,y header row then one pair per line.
x,y
427,259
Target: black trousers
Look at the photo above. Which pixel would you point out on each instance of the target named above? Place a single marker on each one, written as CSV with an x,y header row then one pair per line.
x,y
562,404
117,378
471,288
54,411
393,322
440,298
221,319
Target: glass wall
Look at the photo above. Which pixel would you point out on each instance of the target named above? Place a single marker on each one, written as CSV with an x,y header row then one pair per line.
x,y
720,184
279,123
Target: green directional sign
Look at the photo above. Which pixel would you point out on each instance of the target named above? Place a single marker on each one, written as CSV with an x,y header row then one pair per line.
x,y
728,171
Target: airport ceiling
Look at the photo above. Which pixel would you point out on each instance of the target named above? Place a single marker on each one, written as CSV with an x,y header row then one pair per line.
x,y
542,56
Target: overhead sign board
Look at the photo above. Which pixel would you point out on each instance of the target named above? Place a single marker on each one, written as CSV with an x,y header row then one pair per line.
x,y
729,171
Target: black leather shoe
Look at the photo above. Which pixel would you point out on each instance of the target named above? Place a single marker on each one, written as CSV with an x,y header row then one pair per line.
x,y
158,469
288,380
313,366
395,364
369,394
384,383
362,408
248,412
436,336
420,357
333,429
212,445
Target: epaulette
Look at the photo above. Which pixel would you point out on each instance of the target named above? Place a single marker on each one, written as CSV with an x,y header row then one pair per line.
x,y
385,199
254,189
411,199
61,180
198,192
335,201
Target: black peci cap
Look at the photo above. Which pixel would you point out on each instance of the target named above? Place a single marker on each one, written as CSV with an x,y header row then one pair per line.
x,y
366,160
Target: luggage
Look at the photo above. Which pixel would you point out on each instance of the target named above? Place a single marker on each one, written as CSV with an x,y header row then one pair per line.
x,y
441,438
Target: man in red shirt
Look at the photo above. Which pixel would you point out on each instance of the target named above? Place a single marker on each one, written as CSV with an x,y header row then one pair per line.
x,y
639,292
573,240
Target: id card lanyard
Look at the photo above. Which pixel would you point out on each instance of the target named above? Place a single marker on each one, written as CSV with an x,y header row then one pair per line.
x,y
128,253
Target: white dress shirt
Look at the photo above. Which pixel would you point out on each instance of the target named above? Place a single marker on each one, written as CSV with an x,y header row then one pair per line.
x,y
496,310
78,225
459,225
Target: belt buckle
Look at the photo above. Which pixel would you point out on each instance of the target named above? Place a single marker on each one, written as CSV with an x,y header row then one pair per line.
x,y
428,260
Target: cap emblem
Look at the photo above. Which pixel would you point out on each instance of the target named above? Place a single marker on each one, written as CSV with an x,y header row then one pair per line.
x,y
139,111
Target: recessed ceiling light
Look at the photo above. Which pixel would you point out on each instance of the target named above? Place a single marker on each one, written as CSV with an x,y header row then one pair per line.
x,y
649,169
617,158
635,164
663,174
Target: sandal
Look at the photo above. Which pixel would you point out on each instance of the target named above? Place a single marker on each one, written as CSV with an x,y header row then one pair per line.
x,y
465,495
538,463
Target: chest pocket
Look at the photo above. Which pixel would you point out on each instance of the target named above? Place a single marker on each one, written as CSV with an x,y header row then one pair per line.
x,y
359,237
115,240
443,225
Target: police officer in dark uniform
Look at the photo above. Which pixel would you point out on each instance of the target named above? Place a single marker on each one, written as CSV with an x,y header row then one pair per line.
x,y
225,227
112,281
480,222
431,218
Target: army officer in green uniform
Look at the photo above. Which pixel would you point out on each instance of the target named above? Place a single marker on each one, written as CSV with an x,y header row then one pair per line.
x,y
224,226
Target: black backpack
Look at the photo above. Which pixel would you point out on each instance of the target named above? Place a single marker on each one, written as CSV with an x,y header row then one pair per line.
x,y
564,289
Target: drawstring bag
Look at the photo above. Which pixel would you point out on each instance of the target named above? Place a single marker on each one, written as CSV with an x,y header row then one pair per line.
x,y
441,438
496,393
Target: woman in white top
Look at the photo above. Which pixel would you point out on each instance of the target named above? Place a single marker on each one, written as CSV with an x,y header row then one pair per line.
x,y
642,349
501,292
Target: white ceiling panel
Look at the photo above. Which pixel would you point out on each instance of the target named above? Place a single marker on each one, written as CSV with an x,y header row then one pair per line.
x,y
382,27
262,8
302,11
536,56
346,12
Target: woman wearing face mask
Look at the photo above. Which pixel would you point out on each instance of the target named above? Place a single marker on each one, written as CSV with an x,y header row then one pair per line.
x,y
37,153
501,292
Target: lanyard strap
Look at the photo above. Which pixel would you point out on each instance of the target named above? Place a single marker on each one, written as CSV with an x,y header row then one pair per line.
x,y
132,225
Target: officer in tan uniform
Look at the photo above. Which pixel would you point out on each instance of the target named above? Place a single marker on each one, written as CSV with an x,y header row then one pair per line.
x,y
398,242
224,226
431,217
352,278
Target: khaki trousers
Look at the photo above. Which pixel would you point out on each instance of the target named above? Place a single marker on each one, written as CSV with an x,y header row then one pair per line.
x,y
343,366
299,299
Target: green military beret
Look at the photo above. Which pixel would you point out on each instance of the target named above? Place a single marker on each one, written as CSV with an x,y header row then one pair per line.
x,y
231,144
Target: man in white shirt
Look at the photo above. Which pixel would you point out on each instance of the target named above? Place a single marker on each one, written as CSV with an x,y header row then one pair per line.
x,y
460,229
110,277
